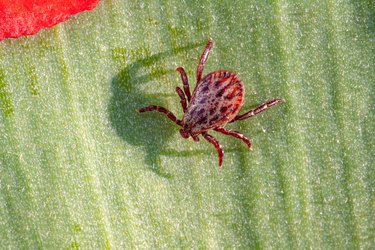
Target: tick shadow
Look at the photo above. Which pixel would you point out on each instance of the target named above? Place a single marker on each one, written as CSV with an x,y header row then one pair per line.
x,y
150,130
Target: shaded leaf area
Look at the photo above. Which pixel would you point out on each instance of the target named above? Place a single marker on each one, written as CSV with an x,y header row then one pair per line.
x,y
80,168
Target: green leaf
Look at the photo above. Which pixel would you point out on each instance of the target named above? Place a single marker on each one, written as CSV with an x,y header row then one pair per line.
x,y
81,169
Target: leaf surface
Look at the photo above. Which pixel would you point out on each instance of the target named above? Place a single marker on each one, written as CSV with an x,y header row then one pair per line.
x,y
80,168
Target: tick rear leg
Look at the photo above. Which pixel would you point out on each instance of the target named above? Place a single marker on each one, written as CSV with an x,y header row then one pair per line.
x,y
257,110
217,145
235,134
203,59
182,97
165,111
185,82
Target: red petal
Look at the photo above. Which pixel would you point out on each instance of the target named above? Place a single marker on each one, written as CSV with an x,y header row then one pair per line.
x,y
26,17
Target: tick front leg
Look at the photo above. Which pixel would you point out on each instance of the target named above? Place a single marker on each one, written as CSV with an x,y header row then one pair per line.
x,y
203,59
185,82
165,111
235,134
217,145
257,110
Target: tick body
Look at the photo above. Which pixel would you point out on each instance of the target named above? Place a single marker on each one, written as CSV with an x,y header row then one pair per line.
x,y
216,101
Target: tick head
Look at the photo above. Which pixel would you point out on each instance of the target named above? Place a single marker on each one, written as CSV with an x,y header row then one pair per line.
x,y
184,133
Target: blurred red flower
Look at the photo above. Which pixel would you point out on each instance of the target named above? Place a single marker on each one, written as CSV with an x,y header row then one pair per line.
x,y
27,17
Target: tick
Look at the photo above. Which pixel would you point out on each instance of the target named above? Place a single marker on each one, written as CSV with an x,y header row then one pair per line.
x,y
216,101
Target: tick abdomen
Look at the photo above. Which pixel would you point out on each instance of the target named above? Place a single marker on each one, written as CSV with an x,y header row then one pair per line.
x,y
216,100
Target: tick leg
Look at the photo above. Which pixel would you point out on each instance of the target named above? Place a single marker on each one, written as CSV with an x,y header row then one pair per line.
x,y
235,134
257,110
203,59
185,82
182,97
217,145
162,110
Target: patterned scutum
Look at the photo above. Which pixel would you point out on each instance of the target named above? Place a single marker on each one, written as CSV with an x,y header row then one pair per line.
x,y
216,100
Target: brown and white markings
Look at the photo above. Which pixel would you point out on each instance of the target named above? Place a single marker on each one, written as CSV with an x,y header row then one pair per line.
x,y
216,101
